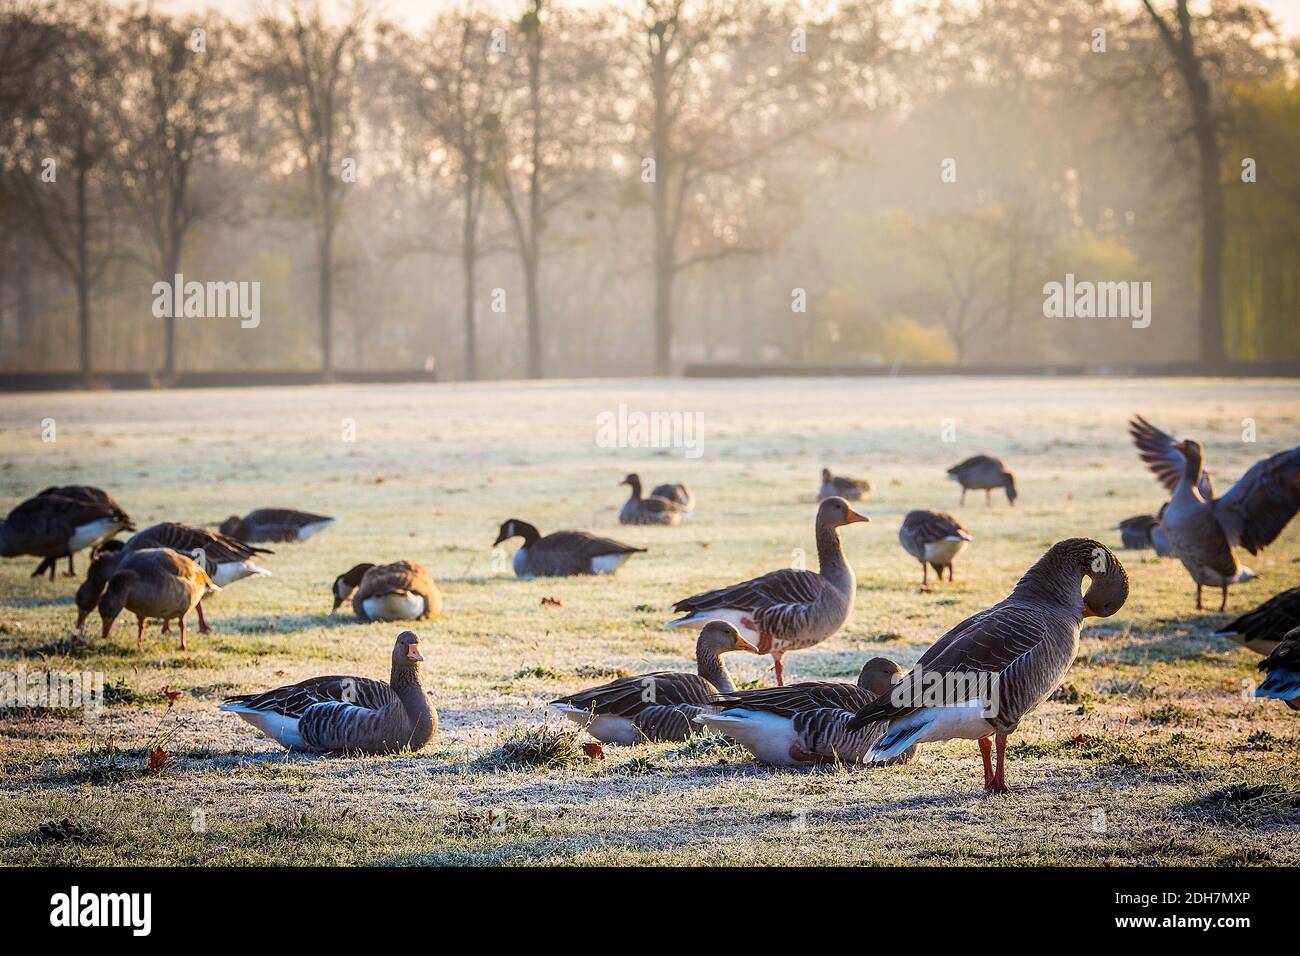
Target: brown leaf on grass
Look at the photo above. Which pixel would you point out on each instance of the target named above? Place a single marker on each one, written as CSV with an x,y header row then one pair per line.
x,y
279,673
171,695
158,757
1081,739
594,751
551,602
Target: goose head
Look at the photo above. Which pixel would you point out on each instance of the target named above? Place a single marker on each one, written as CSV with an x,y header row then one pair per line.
x,y
720,637
1009,486
406,652
634,480
114,599
347,582
835,512
232,526
514,528
879,675
1108,581
91,589
826,476
1194,455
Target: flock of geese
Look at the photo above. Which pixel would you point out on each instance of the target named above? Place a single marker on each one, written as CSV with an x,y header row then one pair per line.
x,y
1021,647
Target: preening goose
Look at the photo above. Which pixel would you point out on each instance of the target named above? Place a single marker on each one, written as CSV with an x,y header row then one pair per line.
x,y
401,591
804,723
982,677
154,582
1262,629
1202,528
347,714
658,706
53,526
984,473
563,553
1283,670
652,510
789,609
934,538
1145,531
275,524
675,492
850,489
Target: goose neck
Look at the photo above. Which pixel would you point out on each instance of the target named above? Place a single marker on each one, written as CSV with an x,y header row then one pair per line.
x,y
710,666
830,558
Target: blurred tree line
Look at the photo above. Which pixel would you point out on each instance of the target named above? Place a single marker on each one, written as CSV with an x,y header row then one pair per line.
x,y
536,188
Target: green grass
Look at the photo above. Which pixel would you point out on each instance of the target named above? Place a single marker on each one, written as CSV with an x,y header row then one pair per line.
x,y
1151,729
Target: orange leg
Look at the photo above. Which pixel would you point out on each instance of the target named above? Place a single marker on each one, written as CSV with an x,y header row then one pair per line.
x,y
203,623
182,627
950,574
139,633
925,576
1198,597
986,751
780,670
1224,603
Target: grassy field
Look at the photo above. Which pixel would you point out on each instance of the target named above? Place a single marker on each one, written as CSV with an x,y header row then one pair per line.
x,y
1150,754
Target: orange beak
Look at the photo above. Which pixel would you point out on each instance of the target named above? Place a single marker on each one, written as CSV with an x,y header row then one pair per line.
x,y
413,653
1180,445
854,517
744,645
1088,612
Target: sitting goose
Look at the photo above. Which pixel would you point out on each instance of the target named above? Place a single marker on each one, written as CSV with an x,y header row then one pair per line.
x,y
658,706
563,553
275,524
53,526
401,591
789,609
1283,669
1263,629
984,473
996,666
652,510
803,724
1202,528
934,538
154,582
347,714
90,495
675,492
850,489
225,559
1145,531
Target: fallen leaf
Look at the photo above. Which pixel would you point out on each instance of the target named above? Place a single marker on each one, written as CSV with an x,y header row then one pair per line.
x,y
594,751
171,695
551,602
1082,739
157,757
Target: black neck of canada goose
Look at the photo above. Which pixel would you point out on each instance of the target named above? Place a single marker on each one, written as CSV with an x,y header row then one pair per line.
x,y
523,529
635,482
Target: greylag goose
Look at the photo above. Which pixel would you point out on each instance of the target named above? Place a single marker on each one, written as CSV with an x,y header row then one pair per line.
x,y
53,526
1283,670
934,538
401,591
676,492
658,706
804,723
1202,528
982,677
157,583
652,510
347,714
563,553
275,524
984,473
225,559
1262,629
1145,531
789,609
850,489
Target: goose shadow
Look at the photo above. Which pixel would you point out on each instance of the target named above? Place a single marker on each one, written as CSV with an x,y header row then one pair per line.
x,y
35,602
262,625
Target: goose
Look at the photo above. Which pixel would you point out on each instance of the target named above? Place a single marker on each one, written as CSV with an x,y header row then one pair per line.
x,y
652,510
275,524
675,492
1263,629
347,714
789,609
982,677
53,526
90,495
154,582
1283,670
225,559
563,553
401,591
658,706
1204,528
1145,531
850,489
803,723
984,473
934,538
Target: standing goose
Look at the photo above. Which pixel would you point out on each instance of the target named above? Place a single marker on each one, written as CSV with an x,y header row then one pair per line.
x,y
1202,528
157,583
934,538
984,473
652,510
1263,629
804,723
563,553
347,714
850,489
1283,670
675,492
789,609
53,526
658,706
996,666
90,495
275,524
1145,531
401,591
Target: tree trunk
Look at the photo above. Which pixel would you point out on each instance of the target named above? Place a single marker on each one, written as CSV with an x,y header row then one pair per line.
x,y
535,367
535,224
469,262
171,265
664,264
325,293
1213,353
83,278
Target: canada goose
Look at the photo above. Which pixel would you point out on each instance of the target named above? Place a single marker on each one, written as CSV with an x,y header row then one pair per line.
x,y
53,526
658,706
157,583
789,609
275,524
995,667
652,510
1283,670
90,495
347,714
934,538
401,591
984,473
1204,528
675,492
850,489
563,553
1262,629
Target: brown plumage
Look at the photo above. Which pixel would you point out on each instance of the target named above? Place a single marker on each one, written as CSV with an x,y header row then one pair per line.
x,y
652,510
59,522
275,524
675,492
984,473
850,489
934,538
401,591
154,583
563,553
1262,629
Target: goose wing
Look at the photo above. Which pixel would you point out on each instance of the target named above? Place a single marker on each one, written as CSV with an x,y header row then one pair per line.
x,y
186,539
797,698
293,700
1156,448
390,578
929,526
582,544
781,602
629,696
50,519
1270,621
1256,509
